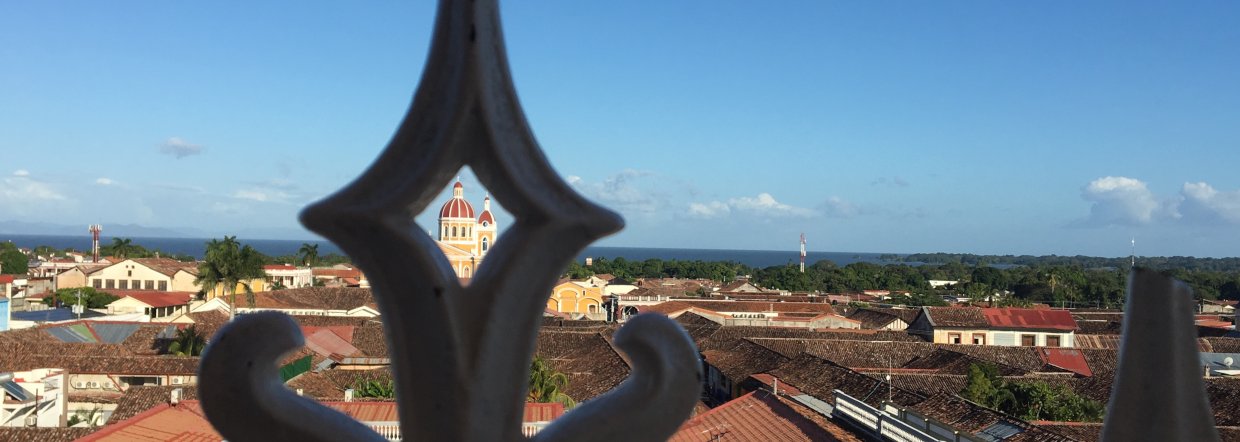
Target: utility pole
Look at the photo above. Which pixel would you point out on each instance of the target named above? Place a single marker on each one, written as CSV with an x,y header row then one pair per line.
x,y
1134,252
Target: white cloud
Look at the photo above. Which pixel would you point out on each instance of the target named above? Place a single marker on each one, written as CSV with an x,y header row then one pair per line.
x,y
180,148
1204,201
711,209
628,192
104,181
21,173
763,205
1124,201
251,194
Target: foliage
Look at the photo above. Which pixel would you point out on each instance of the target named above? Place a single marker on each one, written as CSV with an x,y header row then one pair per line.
x,y
229,263
188,341
1035,400
309,254
91,297
12,261
547,385
373,388
91,417
918,299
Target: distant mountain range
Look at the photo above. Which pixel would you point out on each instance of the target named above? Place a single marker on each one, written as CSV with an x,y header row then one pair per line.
x,y
12,227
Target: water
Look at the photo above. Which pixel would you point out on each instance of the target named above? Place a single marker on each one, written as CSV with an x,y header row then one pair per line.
x,y
275,247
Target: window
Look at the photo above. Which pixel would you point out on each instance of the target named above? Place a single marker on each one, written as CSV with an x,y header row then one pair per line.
x,y
130,274
486,223
124,284
111,283
593,308
150,285
1052,340
979,339
1028,340
453,230
953,338
163,286
484,243
98,283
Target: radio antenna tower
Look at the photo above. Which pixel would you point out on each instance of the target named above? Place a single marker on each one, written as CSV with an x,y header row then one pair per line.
x,y
1134,252
802,252
94,230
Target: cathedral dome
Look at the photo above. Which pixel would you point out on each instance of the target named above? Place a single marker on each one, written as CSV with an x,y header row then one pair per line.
x,y
457,207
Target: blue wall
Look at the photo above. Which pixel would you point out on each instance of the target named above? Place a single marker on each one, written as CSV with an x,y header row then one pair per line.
x,y
4,314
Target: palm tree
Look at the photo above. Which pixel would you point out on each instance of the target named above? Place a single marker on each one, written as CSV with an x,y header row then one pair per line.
x,y
230,264
547,385
188,342
121,247
309,253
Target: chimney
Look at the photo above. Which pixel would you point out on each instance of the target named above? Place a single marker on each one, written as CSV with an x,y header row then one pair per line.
x,y
348,395
176,396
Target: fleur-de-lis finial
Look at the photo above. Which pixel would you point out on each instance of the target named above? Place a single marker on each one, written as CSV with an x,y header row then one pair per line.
x,y
460,355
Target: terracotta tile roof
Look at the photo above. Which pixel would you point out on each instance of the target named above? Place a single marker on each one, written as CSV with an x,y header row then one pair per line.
x,y
946,361
1094,327
279,267
850,353
725,337
973,418
1222,345
957,317
6,279
154,298
873,319
593,367
1027,318
329,385
324,298
369,338
744,359
758,416
16,434
540,412
140,399
671,307
166,266
819,378
336,273
182,422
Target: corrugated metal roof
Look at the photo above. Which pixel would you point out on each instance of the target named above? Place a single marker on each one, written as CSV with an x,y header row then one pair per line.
x,y
72,333
53,314
115,333
999,431
1029,318
1066,358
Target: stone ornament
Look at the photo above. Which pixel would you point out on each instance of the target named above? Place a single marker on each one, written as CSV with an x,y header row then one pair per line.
x,y
1158,393
460,355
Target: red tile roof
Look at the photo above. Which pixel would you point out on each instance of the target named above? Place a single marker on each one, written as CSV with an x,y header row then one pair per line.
x,y
540,412
337,273
757,416
6,279
1066,358
279,267
155,299
1040,319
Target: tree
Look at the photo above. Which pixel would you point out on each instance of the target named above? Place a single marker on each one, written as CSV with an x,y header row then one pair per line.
x,y
374,388
230,264
91,298
547,385
188,342
309,254
122,247
13,261
1034,400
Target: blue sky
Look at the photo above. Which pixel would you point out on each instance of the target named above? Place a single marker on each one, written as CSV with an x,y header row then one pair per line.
x,y
987,127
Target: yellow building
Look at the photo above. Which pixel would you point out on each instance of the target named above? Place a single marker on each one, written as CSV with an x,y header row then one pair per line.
x,y
158,274
463,238
256,285
577,299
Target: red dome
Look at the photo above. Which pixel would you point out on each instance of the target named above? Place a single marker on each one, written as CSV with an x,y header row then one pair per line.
x,y
456,208
486,217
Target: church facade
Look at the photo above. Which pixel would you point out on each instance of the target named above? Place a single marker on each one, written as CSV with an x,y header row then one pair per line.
x,y
465,238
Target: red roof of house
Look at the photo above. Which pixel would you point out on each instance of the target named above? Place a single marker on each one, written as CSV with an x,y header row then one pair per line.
x,y
1069,359
279,267
155,299
542,412
6,279
1030,318
338,273
757,416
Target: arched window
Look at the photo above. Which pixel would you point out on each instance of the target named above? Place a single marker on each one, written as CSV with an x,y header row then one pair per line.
x,y
593,308
465,272
485,243
486,223
453,231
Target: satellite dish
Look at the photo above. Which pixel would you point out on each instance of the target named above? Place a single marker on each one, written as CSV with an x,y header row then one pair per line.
x,y
1228,361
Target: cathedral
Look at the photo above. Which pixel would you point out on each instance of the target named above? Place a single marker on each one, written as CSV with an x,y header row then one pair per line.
x,y
464,238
